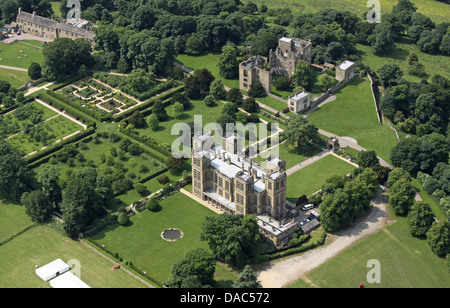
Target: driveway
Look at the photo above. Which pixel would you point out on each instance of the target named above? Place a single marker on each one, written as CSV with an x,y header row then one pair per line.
x,y
279,273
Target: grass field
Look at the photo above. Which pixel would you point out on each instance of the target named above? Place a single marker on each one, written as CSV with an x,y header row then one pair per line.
x,y
353,114
405,262
437,11
10,53
141,243
292,157
434,64
13,219
16,78
311,178
41,245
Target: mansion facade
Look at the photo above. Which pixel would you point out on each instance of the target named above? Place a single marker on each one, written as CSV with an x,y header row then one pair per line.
x,y
224,178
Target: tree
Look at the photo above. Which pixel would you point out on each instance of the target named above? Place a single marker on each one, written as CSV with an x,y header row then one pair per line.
x,y
390,75
420,219
153,205
209,101
326,82
234,95
195,270
247,279
159,110
231,238
438,238
334,52
123,219
15,177
303,76
153,121
34,71
81,203
256,89
300,133
397,174
402,197
192,87
64,56
143,18
367,159
250,105
137,119
228,63
381,40
217,89
178,110
48,177
262,43
204,78
282,83
37,205
194,44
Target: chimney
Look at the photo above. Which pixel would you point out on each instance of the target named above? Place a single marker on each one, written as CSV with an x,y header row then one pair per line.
x,y
263,179
242,167
223,156
34,13
228,160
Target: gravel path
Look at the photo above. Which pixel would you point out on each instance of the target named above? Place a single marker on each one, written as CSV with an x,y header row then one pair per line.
x,y
280,273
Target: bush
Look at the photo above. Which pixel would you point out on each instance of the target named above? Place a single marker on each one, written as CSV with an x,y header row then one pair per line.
x,y
163,179
140,188
257,90
153,205
123,219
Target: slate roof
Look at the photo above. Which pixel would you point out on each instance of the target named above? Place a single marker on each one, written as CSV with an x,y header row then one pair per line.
x,y
52,24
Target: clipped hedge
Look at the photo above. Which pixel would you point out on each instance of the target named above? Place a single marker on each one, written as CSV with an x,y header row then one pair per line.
x,y
61,105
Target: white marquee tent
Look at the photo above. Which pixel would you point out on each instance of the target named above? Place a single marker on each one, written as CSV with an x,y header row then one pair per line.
x,y
52,269
68,280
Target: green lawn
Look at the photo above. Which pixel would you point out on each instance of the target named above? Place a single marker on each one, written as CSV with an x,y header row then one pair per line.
x,y
353,114
434,64
311,178
208,61
293,157
41,245
16,78
13,219
405,262
141,243
437,11
10,53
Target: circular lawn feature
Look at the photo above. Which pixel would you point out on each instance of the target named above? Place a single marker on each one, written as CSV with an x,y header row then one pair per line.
x,y
171,234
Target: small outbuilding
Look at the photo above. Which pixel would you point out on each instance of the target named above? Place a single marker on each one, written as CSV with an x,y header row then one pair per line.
x,y
52,269
310,226
299,102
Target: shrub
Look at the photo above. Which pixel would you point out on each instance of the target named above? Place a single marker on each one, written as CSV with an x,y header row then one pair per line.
x,y
153,205
163,179
140,188
123,219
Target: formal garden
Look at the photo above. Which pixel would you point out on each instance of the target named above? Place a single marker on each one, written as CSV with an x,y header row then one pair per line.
x,y
33,126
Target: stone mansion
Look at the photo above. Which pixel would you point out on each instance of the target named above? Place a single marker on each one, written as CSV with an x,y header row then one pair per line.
x,y
238,185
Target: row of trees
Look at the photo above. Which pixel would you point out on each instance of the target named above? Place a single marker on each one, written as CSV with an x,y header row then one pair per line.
x,y
420,217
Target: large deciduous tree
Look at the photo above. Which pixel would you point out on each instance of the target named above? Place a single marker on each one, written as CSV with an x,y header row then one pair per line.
x,y
15,177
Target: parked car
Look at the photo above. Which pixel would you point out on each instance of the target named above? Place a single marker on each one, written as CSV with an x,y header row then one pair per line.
x,y
317,215
308,207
